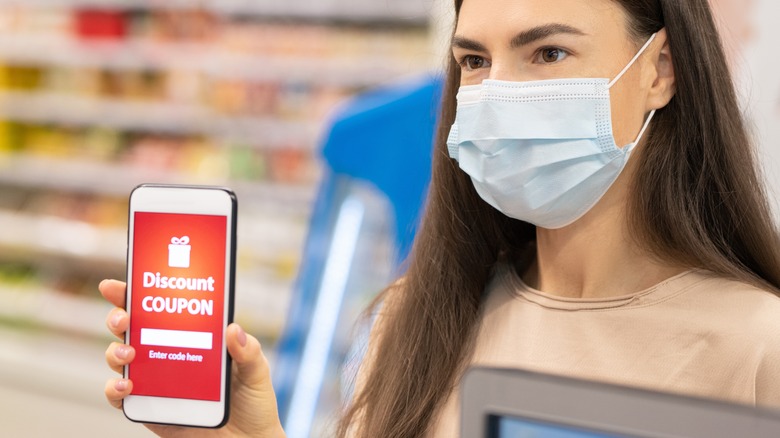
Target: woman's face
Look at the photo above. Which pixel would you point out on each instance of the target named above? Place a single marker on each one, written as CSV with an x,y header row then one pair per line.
x,y
528,40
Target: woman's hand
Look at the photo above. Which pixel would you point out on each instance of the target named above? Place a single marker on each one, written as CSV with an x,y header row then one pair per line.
x,y
253,410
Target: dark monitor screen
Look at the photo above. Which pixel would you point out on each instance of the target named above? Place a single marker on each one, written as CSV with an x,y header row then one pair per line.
x,y
516,427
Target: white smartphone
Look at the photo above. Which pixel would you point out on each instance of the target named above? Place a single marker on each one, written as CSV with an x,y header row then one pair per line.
x,y
180,286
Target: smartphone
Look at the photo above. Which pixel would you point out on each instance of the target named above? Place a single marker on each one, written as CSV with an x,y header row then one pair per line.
x,y
180,288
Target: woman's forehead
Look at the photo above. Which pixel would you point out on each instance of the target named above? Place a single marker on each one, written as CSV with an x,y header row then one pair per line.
x,y
493,18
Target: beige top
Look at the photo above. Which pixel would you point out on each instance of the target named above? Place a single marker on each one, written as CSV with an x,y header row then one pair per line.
x,y
694,334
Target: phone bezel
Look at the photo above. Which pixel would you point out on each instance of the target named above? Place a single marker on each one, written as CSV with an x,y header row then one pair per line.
x,y
178,199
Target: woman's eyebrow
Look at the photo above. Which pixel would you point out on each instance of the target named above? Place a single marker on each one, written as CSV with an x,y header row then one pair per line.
x,y
467,44
521,39
540,32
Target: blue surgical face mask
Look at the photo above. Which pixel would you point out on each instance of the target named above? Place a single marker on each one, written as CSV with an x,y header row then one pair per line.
x,y
542,152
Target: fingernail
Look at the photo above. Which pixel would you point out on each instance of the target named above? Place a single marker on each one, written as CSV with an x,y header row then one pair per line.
x,y
102,282
122,352
115,320
120,385
241,336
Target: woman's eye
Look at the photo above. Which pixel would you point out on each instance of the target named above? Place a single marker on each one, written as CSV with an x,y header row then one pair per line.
x,y
473,62
550,55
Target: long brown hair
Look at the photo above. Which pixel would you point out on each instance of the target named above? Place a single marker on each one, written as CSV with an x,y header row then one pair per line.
x,y
696,201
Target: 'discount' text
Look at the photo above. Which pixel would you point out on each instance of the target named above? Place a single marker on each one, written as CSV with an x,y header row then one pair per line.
x,y
178,283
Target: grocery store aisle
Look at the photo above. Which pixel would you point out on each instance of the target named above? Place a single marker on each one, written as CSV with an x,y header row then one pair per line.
x,y
53,385
98,97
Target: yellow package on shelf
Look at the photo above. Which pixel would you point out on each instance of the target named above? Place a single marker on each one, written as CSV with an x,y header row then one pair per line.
x,y
14,77
6,143
49,142
10,137
4,76
7,140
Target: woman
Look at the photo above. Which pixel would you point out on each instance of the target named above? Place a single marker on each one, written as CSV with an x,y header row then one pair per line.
x,y
560,235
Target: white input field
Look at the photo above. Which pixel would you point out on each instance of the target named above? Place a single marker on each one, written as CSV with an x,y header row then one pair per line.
x,y
176,338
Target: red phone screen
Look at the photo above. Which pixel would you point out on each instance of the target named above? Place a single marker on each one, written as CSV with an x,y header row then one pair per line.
x,y
176,326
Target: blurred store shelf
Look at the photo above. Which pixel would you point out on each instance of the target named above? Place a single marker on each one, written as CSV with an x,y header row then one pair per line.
x,y
55,310
115,179
212,60
410,11
158,117
33,236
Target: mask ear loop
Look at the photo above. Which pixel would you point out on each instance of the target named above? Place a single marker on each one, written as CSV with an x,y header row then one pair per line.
x,y
638,54
631,146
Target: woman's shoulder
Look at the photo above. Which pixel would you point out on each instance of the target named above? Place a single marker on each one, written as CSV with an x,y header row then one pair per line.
x,y
739,320
751,315
734,310
738,297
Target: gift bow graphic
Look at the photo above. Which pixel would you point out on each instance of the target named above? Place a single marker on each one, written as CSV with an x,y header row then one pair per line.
x,y
184,240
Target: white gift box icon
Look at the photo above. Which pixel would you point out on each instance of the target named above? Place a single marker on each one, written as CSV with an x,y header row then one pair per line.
x,y
179,252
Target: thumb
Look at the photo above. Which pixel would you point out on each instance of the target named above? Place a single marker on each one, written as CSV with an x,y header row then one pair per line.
x,y
253,409
251,364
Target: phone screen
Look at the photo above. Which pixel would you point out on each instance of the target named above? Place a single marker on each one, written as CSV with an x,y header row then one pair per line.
x,y
177,304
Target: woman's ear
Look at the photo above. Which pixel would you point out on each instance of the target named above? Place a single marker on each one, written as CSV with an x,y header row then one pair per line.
x,y
661,72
